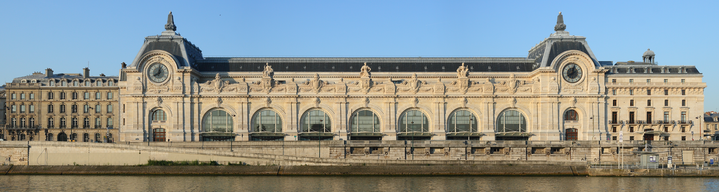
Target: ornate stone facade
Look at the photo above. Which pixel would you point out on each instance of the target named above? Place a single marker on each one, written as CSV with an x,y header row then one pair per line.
x,y
560,91
62,107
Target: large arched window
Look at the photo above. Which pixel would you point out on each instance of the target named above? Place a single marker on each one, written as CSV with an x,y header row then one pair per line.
x,y
316,121
159,115
217,121
462,121
266,121
413,121
364,121
570,115
511,121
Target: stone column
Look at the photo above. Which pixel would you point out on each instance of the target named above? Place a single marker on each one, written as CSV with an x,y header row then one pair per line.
x,y
439,132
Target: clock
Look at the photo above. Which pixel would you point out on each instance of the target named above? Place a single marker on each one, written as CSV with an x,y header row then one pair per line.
x,y
157,73
572,73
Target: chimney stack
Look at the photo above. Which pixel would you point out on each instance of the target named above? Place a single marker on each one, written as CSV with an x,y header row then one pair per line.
x,y
86,72
48,72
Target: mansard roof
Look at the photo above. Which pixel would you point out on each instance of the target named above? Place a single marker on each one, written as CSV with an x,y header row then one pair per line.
x,y
378,64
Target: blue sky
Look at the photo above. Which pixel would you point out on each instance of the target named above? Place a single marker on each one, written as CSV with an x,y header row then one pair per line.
x,y
66,35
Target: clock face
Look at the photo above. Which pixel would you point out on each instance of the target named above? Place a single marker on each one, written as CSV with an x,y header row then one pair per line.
x,y
572,73
157,73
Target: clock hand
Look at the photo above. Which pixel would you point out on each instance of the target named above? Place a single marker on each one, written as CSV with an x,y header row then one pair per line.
x,y
157,72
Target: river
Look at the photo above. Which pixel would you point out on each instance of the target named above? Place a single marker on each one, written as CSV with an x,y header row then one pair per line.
x,y
351,183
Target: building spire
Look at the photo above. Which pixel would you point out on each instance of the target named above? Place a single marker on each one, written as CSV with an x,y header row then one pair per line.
x,y
170,26
560,23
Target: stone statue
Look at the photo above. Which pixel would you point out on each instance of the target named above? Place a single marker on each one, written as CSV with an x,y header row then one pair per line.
x,y
462,71
560,23
268,72
170,26
365,71
123,65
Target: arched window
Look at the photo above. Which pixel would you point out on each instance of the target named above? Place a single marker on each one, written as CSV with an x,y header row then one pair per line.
x,y
87,83
74,83
413,121
217,121
462,121
98,83
570,115
315,121
364,121
511,121
98,138
159,115
49,137
52,83
266,121
110,83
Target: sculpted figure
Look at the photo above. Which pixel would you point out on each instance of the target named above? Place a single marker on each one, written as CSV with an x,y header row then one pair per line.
x,y
365,71
268,72
560,23
462,71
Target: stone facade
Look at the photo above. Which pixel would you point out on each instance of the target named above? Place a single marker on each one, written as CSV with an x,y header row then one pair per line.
x,y
560,91
62,107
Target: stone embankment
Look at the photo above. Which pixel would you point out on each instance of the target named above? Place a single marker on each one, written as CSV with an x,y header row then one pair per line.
x,y
506,169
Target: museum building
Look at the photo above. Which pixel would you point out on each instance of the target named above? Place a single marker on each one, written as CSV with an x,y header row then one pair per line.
x,y
560,91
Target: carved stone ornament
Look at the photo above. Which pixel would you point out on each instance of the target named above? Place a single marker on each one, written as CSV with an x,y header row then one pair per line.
x,y
177,86
317,102
268,101
462,84
464,102
573,102
366,102
195,86
560,23
315,83
366,85
512,84
415,101
219,101
413,84
513,102
216,85
365,71
462,71
159,101
268,72
138,84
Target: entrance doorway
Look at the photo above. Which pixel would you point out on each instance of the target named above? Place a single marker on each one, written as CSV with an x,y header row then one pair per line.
x,y
158,135
648,137
571,134
61,137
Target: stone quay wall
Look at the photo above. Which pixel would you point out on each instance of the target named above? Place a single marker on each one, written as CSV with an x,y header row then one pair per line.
x,y
345,153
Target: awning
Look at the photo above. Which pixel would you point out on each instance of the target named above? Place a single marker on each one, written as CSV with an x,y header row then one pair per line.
x,y
513,134
316,134
414,134
366,134
261,134
465,134
218,134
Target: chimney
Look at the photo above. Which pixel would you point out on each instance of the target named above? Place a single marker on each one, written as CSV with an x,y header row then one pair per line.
x,y
48,72
86,72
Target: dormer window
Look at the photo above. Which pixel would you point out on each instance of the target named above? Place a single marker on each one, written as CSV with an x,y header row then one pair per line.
x,y
87,83
75,83
98,83
52,82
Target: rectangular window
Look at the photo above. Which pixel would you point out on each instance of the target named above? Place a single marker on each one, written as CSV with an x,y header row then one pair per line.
x,y
98,95
74,108
649,117
614,129
684,92
631,92
98,109
86,109
49,108
123,109
614,102
109,122
109,108
62,95
684,117
87,95
631,80
22,108
666,92
684,102
631,138
614,80
649,103
666,80
666,102
74,95
649,80
631,117
649,92
14,96
62,108
684,138
14,108
32,96
22,96
683,81
666,116
614,138
109,95
98,123
631,102
32,108
614,92
614,117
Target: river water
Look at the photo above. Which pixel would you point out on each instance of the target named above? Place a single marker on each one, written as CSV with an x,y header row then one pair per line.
x,y
351,183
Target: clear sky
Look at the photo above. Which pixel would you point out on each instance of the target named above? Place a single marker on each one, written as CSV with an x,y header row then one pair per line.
x,y
67,35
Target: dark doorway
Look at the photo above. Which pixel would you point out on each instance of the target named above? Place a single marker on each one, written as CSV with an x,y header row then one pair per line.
x,y
571,134
511,138
158,135
61,137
